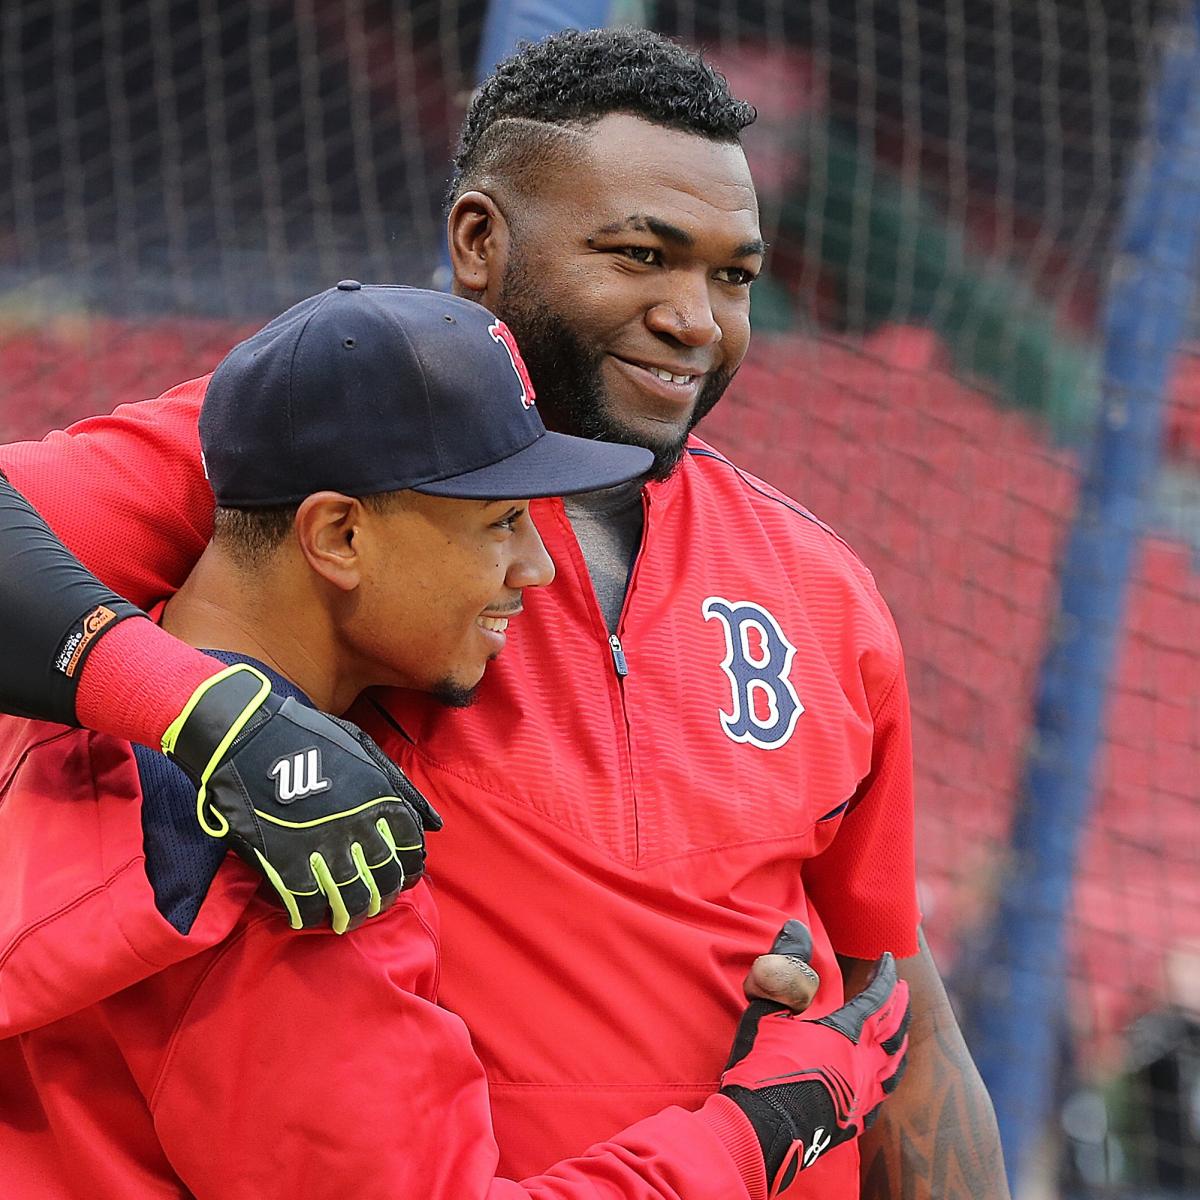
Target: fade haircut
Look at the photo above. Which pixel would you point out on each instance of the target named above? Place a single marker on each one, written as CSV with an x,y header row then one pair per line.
x,y
252,535
545,95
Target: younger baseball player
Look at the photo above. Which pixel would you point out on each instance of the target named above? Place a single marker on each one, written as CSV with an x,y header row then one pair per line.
x,y
364,450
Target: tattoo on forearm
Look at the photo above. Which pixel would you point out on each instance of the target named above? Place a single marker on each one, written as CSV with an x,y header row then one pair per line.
x,y
938,1142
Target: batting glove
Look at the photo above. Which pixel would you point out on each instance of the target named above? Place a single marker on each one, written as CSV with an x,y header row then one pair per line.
x,y
810,1085
309,800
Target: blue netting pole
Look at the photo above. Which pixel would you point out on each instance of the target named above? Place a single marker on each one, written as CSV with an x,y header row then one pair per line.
x,y
1017,1017
511,21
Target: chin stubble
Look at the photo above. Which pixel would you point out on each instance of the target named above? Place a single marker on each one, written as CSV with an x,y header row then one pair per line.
x,y
454,695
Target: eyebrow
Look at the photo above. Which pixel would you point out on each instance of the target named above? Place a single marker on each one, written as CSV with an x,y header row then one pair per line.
x,y
750,248
672,233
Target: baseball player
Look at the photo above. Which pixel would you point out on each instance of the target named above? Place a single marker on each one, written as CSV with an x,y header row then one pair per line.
x,y
364,449
705,727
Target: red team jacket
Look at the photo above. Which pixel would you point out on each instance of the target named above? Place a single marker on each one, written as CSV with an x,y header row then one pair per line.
x,y
241,1063
628,824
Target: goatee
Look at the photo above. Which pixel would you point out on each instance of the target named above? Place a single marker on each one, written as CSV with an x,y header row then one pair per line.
x,y
454,695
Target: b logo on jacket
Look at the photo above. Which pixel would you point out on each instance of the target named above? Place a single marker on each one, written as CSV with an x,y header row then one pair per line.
x,y
758,658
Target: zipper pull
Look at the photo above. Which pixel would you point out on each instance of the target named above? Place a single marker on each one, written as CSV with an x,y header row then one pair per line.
x,y
622,667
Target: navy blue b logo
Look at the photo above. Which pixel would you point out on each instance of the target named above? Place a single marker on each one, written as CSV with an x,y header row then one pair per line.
x,y
757,660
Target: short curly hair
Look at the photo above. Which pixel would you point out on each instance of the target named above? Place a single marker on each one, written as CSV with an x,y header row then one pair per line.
x,y
566,82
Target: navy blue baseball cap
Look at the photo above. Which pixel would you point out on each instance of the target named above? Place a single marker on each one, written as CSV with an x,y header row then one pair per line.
x,y
375,388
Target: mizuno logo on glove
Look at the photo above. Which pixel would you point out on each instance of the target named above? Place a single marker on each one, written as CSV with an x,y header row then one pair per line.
x,y
820,1143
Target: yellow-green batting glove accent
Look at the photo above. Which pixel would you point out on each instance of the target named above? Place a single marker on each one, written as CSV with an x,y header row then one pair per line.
x,y
290,788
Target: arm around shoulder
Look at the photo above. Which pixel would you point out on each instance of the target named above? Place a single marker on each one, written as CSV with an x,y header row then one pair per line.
x,y
125,492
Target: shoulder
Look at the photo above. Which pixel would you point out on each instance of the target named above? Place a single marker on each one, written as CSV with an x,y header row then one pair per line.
x,y
42,758
751,506
80,920
762,541
181,859
95,807
142,428
395,953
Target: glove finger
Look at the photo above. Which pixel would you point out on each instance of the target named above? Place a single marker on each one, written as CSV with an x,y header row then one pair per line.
x,y
895,1012
890,1084
349,896
386,876
406,792
312,907
891,1044
783,974
302,901
412,864
285,896
403,824
794,940
367,876
747,1030
851,1017
409,857
430,818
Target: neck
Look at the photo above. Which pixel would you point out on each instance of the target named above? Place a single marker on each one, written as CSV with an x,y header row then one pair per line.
x,y
272,617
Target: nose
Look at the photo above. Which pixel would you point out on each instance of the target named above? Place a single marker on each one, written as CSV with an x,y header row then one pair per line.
x,y
686,315
531,564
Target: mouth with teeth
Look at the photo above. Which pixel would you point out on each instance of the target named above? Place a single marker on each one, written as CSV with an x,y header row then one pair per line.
x,y
672,386
668,377
493,624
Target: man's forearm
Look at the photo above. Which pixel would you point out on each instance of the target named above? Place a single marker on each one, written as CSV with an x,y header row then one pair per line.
x,y
52,609
936,1138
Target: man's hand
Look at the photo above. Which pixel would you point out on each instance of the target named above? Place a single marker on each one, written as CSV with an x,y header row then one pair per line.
x,y
308,799
810,1085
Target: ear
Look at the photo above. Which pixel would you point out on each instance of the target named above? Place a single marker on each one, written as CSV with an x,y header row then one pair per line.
x,y
327,527
478,236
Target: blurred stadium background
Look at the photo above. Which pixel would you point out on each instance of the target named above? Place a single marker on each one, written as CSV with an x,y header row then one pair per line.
x,y
976,355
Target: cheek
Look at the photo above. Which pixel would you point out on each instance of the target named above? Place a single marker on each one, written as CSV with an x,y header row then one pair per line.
x,y
421,596
473,582
599,299
734,320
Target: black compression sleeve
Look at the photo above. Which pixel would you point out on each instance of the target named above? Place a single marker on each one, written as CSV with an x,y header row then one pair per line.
x,y
51,610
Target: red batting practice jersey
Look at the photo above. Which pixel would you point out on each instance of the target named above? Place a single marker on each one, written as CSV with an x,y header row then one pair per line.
x,y
629,820
241,1061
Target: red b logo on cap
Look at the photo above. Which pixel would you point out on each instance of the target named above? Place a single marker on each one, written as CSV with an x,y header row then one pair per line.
x,y
502,334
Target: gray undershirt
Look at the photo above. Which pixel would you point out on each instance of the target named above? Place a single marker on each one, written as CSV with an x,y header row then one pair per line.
x,y
608,525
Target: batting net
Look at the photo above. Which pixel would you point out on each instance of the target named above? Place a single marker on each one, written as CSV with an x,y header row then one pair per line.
x,y
942,186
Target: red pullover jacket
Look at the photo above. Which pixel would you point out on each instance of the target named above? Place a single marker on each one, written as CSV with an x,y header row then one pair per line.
x,y
627,824
238,1063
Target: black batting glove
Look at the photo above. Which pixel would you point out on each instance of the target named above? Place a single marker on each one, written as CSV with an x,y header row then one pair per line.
x,y
810,1085
309,800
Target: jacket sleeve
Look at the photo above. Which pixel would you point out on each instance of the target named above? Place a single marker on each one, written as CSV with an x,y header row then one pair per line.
x,y
280,1082
864,884
126,493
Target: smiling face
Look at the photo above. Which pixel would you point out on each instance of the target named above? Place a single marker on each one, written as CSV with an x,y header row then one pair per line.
x,y
441,579
625,275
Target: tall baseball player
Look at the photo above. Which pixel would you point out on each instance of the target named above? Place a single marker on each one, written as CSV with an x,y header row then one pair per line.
x,y
703,727
159,1046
